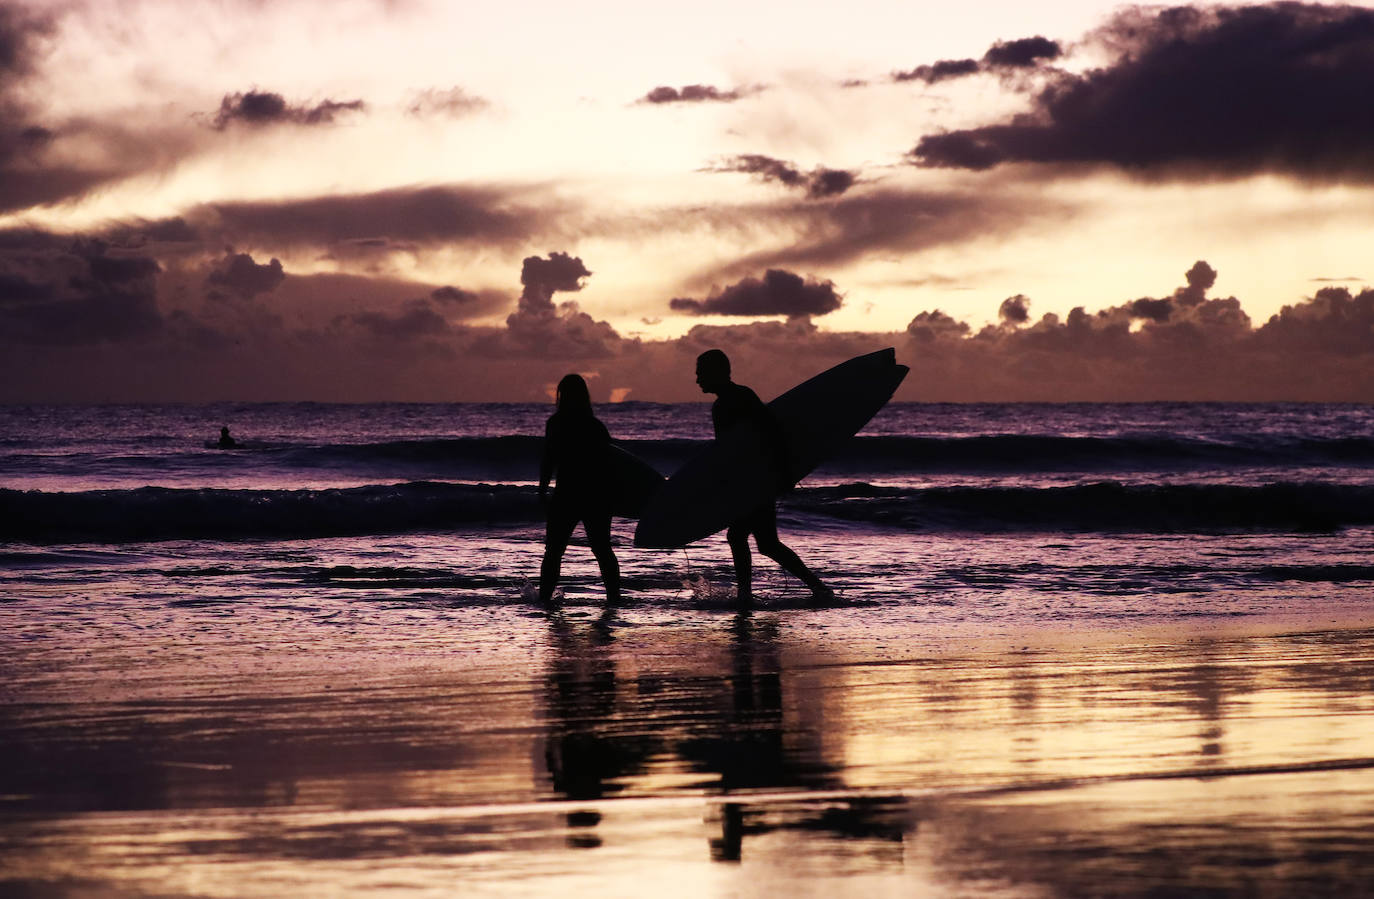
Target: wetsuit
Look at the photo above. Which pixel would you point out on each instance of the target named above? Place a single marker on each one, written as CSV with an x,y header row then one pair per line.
x,y
736,404
575,451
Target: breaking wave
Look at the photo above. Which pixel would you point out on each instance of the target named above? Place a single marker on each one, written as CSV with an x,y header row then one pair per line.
x,y
158,513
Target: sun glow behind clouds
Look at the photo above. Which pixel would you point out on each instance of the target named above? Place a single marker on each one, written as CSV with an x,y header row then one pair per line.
x,y
425,145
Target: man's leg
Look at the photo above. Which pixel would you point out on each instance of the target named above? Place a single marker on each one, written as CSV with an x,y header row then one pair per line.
x,y
766,535
737,535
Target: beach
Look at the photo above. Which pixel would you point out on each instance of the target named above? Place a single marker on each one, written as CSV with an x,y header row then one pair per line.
x,y
509,751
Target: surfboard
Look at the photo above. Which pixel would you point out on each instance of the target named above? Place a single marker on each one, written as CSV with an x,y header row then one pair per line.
x,y
632,481
735,473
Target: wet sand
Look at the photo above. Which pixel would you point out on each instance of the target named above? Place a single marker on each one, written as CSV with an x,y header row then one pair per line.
x,y
502,751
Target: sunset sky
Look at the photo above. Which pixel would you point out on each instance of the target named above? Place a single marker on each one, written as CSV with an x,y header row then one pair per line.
x,y
420,200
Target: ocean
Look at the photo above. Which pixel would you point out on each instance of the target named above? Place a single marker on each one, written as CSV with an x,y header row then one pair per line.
x,y
983,504
315,662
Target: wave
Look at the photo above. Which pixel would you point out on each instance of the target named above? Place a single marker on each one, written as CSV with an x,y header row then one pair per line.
x,y
162,513
157,513
516,456
1148,452
1103,506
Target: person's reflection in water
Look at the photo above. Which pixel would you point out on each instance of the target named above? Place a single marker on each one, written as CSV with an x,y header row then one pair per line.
x,y
758,749
587,755
575,445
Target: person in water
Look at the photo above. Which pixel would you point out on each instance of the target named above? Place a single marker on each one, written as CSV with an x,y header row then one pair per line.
x,y
736,404
225,441
575,453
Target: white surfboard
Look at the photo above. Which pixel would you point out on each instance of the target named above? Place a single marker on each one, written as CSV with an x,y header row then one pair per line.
x,y
735,473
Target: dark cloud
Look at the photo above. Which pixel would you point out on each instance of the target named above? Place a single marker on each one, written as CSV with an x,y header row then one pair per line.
x,y
1022,53
873,223
87,319
240,276
943,70
1200,279
265,108
457,302
1015,310
936,327
1002,58
829,182
453,295
420,215
779,293
22,32
45,162
417,320
1200,92
169,230
692,93
451,103
1332,322
538,326
28,176
542,278
820,182
72,292
1147,308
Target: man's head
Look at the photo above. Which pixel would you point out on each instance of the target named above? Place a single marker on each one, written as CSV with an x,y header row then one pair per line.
x,y
713,371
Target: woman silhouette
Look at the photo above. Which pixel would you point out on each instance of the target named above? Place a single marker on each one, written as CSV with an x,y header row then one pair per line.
x,y
575,453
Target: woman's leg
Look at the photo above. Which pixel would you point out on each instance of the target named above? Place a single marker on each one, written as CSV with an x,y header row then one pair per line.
x,y
557,533
598,526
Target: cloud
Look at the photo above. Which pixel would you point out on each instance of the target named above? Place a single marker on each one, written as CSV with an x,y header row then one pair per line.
x,y
258,108
1015,310
942,70
46,160
453,295
538,326
1023,53
779,293
692,93
29,176
820,182
451,103
935,327
876,222
421,215
88,319
1199,93
242,277
418,319
1002,57
55,292
1335,322
21,33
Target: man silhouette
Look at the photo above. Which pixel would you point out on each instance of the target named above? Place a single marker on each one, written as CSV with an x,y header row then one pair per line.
x,y
735,405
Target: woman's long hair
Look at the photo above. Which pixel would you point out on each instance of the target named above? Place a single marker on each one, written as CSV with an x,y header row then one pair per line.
x,y
573,397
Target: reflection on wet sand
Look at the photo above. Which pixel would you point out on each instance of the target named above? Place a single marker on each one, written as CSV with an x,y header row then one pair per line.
x,y
728,757
719,731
